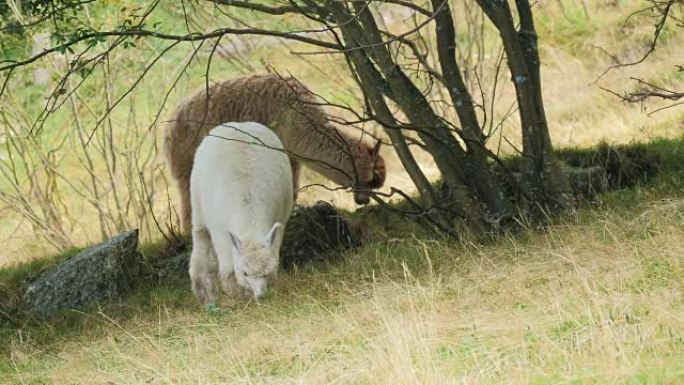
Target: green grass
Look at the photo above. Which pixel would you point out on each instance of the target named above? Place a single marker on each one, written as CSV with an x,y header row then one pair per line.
x,y
573,26
14,276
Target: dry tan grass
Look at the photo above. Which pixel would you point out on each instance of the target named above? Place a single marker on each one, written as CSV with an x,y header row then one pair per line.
x,y
595,302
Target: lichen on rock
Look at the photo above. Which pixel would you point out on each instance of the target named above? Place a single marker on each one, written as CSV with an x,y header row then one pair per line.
x,y
102,272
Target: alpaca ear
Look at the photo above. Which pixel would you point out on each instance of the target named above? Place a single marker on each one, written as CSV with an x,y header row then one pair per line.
x,y
235,240
270,238
376,149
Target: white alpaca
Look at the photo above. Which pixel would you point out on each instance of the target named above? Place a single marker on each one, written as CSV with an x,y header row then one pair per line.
x,y
242,197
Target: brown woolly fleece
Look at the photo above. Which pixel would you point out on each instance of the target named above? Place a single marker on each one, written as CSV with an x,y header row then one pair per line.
x,y
288,108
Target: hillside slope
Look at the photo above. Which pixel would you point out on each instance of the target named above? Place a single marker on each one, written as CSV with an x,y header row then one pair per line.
x,y
595,298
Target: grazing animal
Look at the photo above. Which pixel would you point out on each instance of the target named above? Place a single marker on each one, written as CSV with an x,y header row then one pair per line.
x,y
292,112
242,197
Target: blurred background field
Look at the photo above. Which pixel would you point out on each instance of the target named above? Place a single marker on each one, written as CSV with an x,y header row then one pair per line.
x,y
87,174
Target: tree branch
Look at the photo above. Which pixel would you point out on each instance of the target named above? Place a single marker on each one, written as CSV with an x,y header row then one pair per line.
x,y
163,36
261,7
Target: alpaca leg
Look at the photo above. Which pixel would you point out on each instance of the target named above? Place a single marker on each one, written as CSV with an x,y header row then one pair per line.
x,y
278,244
224,255
201,272
185,206
296,168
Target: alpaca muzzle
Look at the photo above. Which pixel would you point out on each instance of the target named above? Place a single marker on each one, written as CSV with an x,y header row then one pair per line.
x,y
258,286
362,197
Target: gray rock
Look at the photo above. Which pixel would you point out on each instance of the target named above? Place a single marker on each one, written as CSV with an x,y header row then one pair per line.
x,y
99,273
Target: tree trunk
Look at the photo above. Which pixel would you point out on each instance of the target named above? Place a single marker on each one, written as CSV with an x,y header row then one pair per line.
x,y
476,167
441,144
546,183
371,84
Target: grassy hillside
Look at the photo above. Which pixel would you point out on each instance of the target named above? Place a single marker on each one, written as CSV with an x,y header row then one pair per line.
x,y
593,299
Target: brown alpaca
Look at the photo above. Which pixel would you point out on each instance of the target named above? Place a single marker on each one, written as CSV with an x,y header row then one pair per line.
x,y
292,112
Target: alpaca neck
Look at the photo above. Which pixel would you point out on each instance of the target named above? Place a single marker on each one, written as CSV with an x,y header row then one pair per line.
x,y
324,149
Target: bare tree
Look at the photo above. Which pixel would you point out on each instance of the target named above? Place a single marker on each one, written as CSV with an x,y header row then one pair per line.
x,y
406,77
664,13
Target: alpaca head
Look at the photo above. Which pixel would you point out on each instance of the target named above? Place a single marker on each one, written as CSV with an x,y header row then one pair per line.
x,y
369,169
256,261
